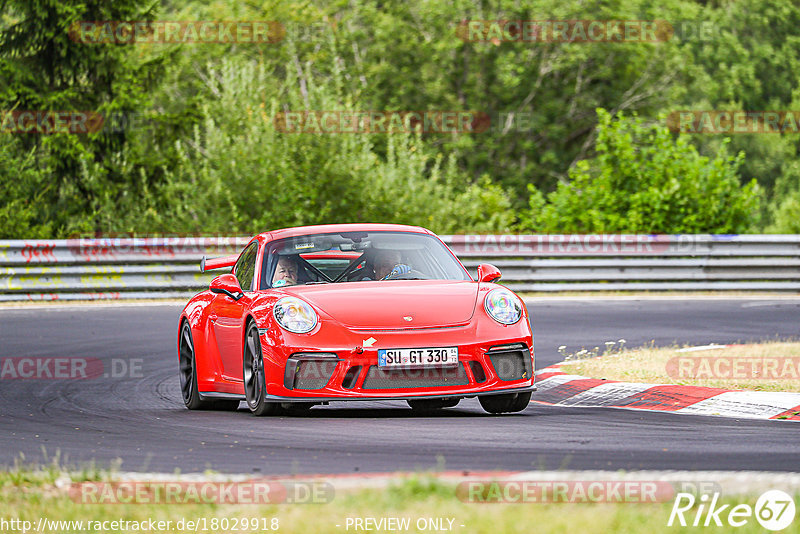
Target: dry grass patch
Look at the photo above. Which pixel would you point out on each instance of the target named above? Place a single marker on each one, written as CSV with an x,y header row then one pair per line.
x,y
773,366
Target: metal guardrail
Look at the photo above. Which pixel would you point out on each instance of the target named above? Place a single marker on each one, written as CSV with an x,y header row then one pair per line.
x,y
133,268
108,268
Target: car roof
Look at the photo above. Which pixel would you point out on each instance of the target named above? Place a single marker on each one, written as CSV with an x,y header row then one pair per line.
x,y
339,228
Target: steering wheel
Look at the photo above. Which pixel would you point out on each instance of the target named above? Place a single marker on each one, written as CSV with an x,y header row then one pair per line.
x,y
402,271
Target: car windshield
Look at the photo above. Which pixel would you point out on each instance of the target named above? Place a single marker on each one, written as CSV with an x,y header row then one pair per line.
x,y
357,257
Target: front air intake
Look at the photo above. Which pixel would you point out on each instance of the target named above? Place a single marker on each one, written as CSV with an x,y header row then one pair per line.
x,y
378,378
511,362
351,377
477,371
312,371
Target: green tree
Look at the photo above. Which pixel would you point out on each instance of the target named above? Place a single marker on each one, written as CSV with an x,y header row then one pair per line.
x,y
238,173
23,193
643,180
200,155
43,68
541,96
410,56
748,54
785,214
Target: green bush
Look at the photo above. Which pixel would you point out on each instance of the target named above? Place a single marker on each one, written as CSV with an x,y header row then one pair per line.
x,y
210,160
22,191
238,174
786,215
643,180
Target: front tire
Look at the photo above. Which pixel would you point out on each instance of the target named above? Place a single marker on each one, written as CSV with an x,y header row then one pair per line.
x,y
505,403
255,384
188,372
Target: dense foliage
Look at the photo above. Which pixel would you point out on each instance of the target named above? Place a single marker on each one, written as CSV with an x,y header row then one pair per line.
x,y
577,140
644,181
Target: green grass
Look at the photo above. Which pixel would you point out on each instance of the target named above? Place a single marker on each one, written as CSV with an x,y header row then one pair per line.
x,y
29,495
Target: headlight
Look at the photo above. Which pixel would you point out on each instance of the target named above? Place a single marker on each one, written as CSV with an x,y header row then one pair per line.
x,y
503,306
295,315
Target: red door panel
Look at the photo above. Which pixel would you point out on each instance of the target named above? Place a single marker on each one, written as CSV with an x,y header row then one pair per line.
x,y
227,319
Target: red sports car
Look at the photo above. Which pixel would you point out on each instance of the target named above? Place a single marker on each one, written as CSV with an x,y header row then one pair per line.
x,y
353,312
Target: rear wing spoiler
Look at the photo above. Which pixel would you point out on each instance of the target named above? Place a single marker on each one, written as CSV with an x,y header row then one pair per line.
x,y
208,264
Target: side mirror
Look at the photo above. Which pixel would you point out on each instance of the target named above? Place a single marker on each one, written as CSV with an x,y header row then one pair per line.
x,y
227,284
488,273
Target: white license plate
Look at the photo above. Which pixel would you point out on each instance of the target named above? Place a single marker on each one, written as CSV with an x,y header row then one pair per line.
x,y
422,357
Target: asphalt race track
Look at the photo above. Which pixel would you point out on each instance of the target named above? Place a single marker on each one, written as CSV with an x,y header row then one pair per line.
x,y
141,420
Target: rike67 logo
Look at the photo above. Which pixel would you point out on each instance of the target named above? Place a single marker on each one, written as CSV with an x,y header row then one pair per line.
x,y
774,510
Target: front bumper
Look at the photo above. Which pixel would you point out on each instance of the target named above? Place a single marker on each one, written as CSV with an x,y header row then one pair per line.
x,y
276,398
328,374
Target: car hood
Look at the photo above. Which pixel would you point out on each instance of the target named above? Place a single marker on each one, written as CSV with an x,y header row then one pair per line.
x,y
394,303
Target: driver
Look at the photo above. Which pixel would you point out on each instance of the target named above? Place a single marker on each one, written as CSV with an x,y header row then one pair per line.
x,y
387,262
285,272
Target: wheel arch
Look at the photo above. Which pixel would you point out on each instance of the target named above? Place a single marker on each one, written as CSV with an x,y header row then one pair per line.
x,y
181,321
248,318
